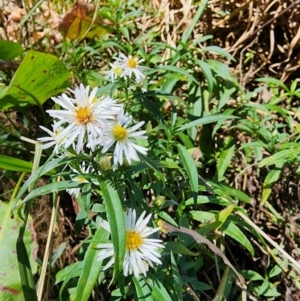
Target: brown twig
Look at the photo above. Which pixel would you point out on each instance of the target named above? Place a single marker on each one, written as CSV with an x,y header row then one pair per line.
x,y
202,240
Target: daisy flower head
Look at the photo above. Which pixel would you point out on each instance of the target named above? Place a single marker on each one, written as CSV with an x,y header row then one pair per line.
x,y
123,137
131,66
114,73
79,177
55,137
141,251
83,117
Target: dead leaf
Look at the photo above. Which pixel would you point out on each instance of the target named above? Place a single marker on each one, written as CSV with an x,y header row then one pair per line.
x,y
79,23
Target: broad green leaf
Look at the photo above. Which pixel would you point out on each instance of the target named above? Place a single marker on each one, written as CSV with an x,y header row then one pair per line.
x,y
49,188
204,120
91,268
39,77
115,215
218,50
179,72
234,232
166,164
15,164
225,159
201,216
273,81
222,70
164,215
223,190
142,290
73,272
178,248
73,269
47,168
189,166
223,215
10,50
203,199
251,275
159,292
280,157
208,75
148,103
217,221
271,177
176,278
11,286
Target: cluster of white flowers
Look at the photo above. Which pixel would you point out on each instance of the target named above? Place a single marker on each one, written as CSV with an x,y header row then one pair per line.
x,y
126,67
141,251
85,122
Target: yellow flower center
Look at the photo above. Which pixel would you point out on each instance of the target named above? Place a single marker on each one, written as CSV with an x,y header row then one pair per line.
x,y
84,115
132,63
81,179
118,70
119,132
133,240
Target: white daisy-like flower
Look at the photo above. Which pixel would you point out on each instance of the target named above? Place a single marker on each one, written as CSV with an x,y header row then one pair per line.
x,y
123,137
83,117
115,72
131,66
79,177
54,139
141,251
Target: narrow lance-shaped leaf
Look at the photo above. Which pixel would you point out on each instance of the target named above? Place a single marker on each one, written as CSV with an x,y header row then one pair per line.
x,y
189,166
91,268
116,220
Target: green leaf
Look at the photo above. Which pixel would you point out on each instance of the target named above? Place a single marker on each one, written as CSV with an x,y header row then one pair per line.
x,y
189,166
167,217
116,220
280,157
208,74
203,199
272,176
186,34
91,268
10,50
273,81
176,247
223,190
225,159
218,50
39,77
74,270
11,285
159,292
49,188
234,232
142,290
222,70
251,275
176,278
47,168
178,71
204,120
15,164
